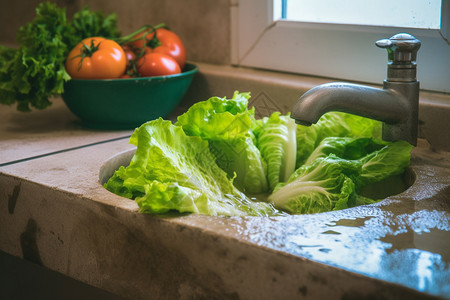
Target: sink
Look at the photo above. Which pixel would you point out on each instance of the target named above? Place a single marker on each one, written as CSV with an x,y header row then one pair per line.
x,y
388,187
402,241
112,164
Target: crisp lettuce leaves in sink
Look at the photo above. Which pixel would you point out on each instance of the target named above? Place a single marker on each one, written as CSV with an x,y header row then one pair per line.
x,y
174,171
390,160
333,124
317,187
379,159
227,125
337,170
217,158
276,139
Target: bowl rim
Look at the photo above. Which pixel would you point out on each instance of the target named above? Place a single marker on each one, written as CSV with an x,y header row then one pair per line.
x,y
189,67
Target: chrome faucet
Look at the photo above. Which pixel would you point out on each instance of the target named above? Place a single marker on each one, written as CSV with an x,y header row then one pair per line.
x,y
396,104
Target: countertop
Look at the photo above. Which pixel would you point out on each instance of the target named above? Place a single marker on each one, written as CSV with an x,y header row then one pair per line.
x,y
54,212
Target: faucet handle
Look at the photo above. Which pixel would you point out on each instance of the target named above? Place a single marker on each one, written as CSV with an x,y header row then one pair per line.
x,y
402,48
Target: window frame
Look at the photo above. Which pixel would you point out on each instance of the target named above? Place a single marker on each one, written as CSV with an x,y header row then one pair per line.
x,y
335,51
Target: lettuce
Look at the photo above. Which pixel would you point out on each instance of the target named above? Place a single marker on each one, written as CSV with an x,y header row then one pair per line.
x,y
390,160
317,187
217,151
276,140
345,147
242,160
226,125
336,172
379,159
218,118
173,171
333,124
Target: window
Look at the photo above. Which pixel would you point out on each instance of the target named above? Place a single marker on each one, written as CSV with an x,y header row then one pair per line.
x,y
341,49
400,13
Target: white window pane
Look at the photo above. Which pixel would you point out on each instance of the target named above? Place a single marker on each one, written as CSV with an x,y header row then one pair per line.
x,y
397,13
278,9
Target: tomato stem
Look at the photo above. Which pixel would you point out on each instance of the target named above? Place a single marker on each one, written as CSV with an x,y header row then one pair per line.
x,y
153,42
130,37
86,51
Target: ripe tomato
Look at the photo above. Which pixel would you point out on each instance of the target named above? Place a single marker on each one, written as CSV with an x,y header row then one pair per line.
x,y
96,58
165,50
130,55
171,42
157,64
159,49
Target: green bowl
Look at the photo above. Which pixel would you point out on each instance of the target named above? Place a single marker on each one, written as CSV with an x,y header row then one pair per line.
x,y
126,103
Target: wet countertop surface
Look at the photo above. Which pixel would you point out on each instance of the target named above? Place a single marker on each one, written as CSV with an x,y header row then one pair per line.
x,y
54,212
25,135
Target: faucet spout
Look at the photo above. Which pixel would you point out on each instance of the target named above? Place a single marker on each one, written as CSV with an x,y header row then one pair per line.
x,y
396,104
379,104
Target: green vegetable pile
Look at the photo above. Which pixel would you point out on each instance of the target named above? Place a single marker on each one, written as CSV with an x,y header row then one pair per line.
x,y
34,72
217,159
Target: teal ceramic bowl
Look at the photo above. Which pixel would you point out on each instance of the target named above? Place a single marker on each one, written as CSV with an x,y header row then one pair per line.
x,y
126,103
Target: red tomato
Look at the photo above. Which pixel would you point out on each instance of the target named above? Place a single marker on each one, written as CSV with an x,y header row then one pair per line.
x,y
163,49
159,49
171,41
131,56
148,50
157,64
96,58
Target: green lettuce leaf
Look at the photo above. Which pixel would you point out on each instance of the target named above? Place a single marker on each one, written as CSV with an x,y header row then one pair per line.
x,y
388,161
345,147
333,124
336,172
226,125
276,140
379,159
218,118
174,171
242,160
318,187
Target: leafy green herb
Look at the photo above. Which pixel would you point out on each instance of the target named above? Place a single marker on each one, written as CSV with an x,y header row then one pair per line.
x,y
34,72
89,23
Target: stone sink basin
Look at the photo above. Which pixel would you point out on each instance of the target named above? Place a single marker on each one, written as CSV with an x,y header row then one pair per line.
x,y
396,248
391,186
380,190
